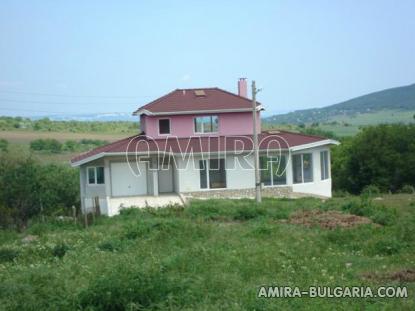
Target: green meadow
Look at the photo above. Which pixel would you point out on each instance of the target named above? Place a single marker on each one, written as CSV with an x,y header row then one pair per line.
x,y
214,255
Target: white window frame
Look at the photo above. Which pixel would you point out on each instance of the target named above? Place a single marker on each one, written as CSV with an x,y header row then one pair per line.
x,y
207,167
270,168
324,156
95,175
302,168
158,125
203,129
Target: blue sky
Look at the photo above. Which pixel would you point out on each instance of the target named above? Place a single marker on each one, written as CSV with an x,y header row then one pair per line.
x,y
113,56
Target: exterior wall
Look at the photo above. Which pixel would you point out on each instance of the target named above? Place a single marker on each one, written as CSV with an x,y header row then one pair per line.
x,y
240,181
317,186
232,123
90,192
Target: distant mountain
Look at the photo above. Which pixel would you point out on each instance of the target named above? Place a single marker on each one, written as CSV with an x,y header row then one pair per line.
x,y
394,99
103,117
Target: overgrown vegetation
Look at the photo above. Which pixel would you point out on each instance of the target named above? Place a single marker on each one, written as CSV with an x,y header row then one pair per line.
x,y
28,189
47,125
211,255
54,146
381,156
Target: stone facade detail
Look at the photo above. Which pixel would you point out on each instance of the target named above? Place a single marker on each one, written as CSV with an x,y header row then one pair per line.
x,y
277,192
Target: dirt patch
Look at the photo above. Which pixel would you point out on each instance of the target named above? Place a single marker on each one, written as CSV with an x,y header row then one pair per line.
x,y
405,275
327,220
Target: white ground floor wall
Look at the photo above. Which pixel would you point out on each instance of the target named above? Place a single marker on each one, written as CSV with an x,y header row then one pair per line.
x,y
124,187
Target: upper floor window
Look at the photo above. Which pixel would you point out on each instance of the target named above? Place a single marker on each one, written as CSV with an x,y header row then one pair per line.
x,y
95,175
164,126
273,170
324,164
302,168
207,124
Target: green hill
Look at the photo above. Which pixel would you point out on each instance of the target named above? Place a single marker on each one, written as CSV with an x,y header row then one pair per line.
x,y
390,105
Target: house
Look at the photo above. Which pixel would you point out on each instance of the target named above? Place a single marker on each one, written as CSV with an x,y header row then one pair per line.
x,y
197,143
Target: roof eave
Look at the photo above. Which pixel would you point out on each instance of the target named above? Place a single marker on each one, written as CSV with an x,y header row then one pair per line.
x,y
164,113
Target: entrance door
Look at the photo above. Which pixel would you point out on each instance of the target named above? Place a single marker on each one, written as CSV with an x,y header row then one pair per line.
x,y
126,183
165,178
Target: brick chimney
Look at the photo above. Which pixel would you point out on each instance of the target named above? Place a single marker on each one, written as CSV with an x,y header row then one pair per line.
x,y
242,87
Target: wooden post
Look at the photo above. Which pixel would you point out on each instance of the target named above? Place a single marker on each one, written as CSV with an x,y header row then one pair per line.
x,y
42,216
74,213
255,143
85,218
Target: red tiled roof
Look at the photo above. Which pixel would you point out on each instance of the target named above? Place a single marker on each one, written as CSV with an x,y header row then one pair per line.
x,y
185,100
142,144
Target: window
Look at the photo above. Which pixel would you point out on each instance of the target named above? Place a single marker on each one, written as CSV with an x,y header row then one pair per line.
x,y
207,124
324,164
96,175
273,170
302,168
212,174
164,126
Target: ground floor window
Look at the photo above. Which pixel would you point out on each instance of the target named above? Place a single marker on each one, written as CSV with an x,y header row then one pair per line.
x,y
95,175
212,173
324,164
273,170
302,168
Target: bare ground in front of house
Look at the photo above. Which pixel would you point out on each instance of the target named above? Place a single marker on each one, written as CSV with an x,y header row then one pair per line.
x,y
405,275
327,219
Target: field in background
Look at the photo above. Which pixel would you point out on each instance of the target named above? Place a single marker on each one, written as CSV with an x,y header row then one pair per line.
x,y
19,142
212,255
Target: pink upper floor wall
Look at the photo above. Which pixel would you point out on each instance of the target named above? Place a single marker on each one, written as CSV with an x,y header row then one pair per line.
x,y
229,124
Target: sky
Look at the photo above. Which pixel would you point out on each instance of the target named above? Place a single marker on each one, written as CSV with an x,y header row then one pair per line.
x,y
81,57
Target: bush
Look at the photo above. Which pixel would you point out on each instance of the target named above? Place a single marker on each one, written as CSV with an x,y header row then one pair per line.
x,y
378,214
60,250
127,288
25,186
407,189
379,155
247,213
109,246
386,247
370,190
50,145
4,144
8,254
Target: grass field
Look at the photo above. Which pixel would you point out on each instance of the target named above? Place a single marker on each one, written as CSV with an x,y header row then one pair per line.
x,y
19,142
213,255
349,125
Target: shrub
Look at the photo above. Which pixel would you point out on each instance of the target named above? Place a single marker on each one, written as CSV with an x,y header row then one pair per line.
x,y
377,213
109,246
125,288
370,190
340,194
8,254
50,145
60,250
247,213
70,145
407,189
4,144
25,186
386,247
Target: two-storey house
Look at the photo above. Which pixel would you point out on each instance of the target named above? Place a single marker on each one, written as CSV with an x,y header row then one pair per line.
x,y
197,143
